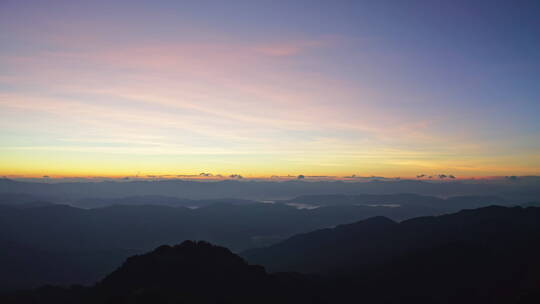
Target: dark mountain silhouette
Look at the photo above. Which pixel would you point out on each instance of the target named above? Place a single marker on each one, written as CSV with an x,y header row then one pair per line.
x,y
192,272
531,204
87,244
198,272
379,239
486,255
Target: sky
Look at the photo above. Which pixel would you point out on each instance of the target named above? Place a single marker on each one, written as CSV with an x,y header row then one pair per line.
x,y
261,88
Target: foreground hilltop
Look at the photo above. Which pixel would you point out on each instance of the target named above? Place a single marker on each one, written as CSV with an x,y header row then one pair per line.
x,y
191,272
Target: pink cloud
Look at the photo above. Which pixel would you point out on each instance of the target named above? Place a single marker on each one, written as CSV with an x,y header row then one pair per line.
x,y
289,48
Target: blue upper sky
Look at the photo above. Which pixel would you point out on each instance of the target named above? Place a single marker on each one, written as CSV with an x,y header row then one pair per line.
x,y
393,88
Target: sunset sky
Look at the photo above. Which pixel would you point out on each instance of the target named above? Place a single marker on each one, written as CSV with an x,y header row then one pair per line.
x,y
261,88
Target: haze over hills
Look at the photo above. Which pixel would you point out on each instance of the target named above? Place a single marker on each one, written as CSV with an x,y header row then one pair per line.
x,y
486,255
156,200
525,189
410,200
78,233
191,272
457,258
379,240
85,244
89,243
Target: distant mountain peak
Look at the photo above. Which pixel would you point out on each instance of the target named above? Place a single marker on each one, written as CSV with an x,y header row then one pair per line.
x,y
377,220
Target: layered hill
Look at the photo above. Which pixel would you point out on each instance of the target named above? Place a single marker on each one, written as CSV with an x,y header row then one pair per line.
x,y
191,272
486,255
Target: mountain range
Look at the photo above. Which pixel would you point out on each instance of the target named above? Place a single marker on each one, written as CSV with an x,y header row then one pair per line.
x,y
522,189
83,245
486,255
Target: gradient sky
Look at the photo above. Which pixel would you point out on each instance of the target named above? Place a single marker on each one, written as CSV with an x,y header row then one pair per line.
x,y
259,88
